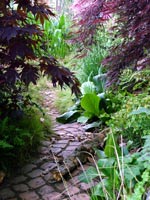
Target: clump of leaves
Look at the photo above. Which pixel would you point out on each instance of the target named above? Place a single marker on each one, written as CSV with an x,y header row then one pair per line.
x,y
55,36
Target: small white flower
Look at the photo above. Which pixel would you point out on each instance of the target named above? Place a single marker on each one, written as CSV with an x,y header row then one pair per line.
x,y
42,119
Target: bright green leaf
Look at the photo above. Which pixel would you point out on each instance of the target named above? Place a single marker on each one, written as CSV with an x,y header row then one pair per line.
x,y
83,119
88,175
111,147
68,117
90,103
92,125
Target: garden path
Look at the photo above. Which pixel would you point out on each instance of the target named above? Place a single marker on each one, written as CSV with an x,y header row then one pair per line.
x,y
35,181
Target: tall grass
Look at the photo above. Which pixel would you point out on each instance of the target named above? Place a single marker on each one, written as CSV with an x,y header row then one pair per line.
x,y
91,64
56,35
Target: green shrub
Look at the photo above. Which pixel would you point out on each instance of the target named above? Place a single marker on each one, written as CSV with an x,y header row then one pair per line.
x,y
132,126
91,109
20,138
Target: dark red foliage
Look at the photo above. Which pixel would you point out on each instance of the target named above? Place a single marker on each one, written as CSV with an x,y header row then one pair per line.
x,y
132,24
88,16
19,40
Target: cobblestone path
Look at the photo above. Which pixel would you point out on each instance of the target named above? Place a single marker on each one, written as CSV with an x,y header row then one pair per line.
x,y
34,180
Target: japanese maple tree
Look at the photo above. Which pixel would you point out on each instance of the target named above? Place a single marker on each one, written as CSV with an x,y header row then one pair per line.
x,y
20,64
132,24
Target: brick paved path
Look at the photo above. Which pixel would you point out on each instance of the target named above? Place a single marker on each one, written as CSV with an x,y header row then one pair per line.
x,y
34,180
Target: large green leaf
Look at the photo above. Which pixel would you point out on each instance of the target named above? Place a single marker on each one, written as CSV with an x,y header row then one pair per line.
x,y
88,175
90,103
68,117
92,126
106,166
83,119
88,88
111,147
131,172
98,189
103,189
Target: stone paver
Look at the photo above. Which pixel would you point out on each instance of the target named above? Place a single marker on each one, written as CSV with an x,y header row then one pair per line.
x,y
47,165
85,186
46,189
35,173
59,145
34,182
63,142
72,190
60,186
52,196
28,168
56,150
44,150
47,177
71,148
19,179
6,193
21,188
46,143
29,195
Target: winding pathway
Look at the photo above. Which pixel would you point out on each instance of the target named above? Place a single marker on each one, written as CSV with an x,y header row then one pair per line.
x,y
35,181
